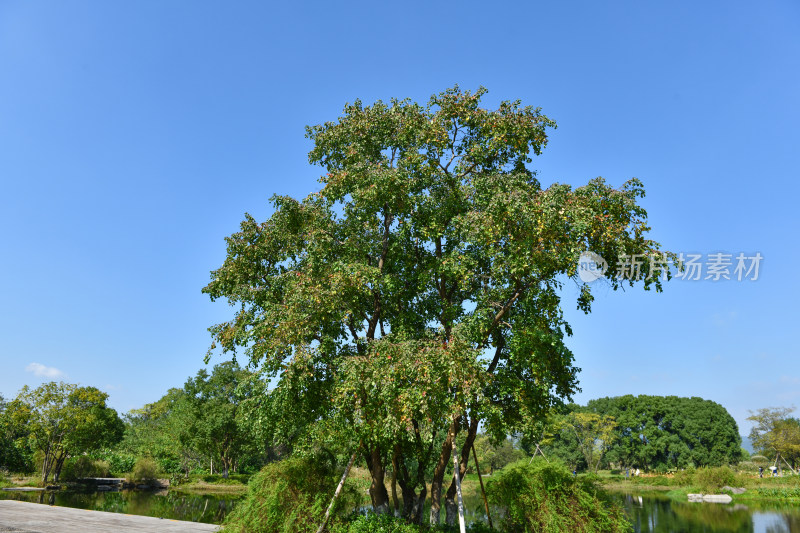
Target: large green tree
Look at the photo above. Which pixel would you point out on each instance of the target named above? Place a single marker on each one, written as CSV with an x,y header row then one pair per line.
x,y
776,434
594,434
664,432
64,420
15,454
217,427
157,430
416,294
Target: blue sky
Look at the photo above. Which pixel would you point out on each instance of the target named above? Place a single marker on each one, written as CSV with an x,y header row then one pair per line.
x,y
133,138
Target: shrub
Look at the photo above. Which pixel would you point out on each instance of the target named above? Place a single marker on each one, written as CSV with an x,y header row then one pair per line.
x,y
290,496
684,478
547,498
169,465
145,469
712,479
118,463
371,523
83,467
233,479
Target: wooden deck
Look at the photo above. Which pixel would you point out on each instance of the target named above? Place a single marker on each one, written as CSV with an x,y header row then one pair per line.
x,y
25,517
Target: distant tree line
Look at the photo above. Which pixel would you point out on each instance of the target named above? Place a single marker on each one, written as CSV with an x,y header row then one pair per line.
x,y
210,425
218,422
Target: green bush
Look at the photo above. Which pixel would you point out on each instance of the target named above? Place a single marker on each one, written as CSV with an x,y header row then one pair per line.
x,y
592,477
290,496
82,467
233,479
713,479
169,465
376,524
144,470
118,463
546,498
684,478
371,523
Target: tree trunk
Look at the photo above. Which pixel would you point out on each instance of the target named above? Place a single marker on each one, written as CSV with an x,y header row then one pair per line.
x,y
336,493
377,490
438,473
57,469
480,479
226,466
413,504
450,504
395,502
46,467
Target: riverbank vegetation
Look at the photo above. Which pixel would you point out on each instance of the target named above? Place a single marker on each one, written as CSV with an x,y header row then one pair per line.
x,y
527,496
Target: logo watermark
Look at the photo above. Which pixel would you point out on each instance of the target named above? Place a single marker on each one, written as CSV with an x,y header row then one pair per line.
x,y
718,266
591,267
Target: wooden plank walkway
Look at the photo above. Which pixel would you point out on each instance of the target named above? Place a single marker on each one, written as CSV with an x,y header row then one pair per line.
x,y
25,517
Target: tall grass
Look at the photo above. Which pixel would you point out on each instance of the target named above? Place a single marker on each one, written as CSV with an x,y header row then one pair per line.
x,y
290,496
145,470
546,498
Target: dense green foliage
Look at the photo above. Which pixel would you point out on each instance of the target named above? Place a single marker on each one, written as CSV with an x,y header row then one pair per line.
x,y
155,431
494,455
67,432
145,470
83,467
290,496
658,433
714,478
545,497
430,242
202,426
372,523
376,524
216,425
61,420
15,452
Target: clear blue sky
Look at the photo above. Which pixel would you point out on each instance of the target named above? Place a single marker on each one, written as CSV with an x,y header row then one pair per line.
x,y
134,136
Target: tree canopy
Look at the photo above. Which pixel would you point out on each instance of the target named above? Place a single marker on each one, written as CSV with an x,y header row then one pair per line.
x,y
776,434
63,420
417,293
217,425
660,432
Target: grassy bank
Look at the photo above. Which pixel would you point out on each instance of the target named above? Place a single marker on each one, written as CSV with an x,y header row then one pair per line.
x,y
706,481
213,484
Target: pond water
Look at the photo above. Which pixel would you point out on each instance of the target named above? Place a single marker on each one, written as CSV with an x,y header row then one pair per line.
x,y
164,504
650,513
656,513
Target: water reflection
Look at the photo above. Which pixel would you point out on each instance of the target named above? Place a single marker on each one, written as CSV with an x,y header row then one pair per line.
x,y
654,513
649,513
177,506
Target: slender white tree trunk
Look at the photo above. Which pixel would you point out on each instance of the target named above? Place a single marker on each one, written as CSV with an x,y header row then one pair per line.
x,y
461,525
